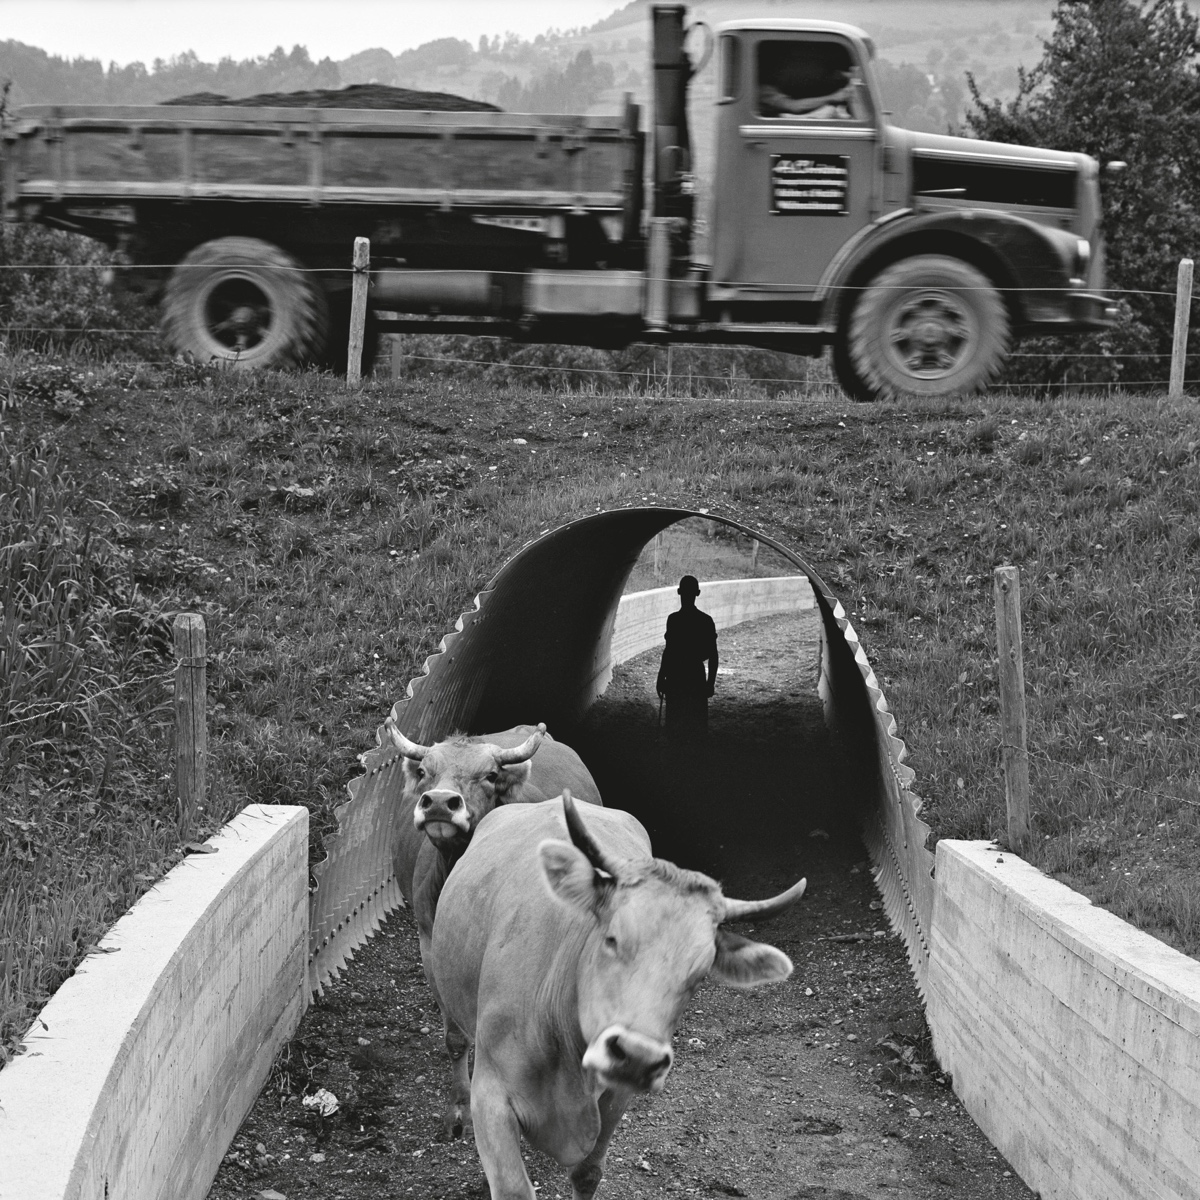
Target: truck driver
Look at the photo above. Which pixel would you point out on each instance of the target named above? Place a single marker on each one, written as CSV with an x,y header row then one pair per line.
x,y
815,80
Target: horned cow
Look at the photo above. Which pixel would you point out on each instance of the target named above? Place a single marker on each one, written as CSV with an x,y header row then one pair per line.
x,y
567,953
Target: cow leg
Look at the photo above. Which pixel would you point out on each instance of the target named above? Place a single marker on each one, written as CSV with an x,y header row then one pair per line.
x,y
456,1120
498,1138
586,1176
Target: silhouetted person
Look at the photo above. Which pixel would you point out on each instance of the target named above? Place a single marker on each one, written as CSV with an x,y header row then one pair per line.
x,y
691,639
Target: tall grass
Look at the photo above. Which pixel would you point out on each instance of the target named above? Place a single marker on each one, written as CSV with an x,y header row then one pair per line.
x,y
84,710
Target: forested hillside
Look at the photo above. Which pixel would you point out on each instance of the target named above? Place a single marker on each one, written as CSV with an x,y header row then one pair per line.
x,y
926,49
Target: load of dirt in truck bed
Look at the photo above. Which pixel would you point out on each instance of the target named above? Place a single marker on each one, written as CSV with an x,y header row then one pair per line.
x,y
357,95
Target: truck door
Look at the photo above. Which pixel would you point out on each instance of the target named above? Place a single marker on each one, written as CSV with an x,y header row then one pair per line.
x,y
800,173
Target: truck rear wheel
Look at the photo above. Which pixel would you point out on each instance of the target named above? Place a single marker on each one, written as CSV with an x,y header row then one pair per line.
x,y
925,326
244,302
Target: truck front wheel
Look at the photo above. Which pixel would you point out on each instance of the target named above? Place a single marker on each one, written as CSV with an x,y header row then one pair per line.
x,y
924,326
244,302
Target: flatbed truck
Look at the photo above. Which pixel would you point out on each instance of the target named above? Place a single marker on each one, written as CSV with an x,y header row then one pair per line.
x,y
918,258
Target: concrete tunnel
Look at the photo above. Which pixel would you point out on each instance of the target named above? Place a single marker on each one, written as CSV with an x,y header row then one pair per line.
x,y
537,647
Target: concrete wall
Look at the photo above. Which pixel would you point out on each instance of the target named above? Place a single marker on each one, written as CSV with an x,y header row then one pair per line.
x,y
642,616
1073,1038
141,1067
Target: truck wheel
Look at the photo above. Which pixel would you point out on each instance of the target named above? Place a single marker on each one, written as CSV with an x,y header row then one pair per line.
x,y
244,302
925,326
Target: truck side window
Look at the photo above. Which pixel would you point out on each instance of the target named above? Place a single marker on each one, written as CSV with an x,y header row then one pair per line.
x,y
731,69
814,80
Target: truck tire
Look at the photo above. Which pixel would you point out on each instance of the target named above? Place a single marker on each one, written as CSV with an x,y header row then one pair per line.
x,y
246,303
925,326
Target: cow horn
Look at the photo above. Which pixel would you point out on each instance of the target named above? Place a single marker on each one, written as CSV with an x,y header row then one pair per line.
x,y
407,748
745,910
582,839
522,752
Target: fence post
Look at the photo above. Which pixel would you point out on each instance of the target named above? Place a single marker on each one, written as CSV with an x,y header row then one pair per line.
x,y
754,554
358,310
658,546
1007,583
1183,312
191,730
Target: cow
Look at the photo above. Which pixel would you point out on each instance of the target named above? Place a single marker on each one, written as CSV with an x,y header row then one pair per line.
x,y
449,787
568,963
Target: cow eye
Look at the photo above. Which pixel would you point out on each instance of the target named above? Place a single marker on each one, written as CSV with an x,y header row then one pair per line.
x,y
419,772
492,776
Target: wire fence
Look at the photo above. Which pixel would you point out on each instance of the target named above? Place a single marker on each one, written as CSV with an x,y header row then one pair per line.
x,y
1108,368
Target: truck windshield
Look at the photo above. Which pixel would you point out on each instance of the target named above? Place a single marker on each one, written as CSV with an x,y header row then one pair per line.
x,y
813,80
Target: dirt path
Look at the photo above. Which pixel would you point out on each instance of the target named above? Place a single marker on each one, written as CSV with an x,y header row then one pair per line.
x,y
821,1087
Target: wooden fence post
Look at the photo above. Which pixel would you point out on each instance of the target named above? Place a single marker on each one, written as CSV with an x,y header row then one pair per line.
x,y
191,729
1183,312
658,547
754,554
1012,703
358,311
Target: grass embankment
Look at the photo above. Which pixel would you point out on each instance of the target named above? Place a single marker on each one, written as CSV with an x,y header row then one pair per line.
x,y
331,540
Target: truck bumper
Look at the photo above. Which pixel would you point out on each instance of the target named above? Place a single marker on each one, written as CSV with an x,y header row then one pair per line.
x,y
1068,311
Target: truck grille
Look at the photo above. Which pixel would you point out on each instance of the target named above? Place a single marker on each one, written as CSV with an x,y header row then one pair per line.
x,y
996,183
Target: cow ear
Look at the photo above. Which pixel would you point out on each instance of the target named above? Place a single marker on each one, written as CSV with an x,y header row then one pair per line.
x,y
568,874
510,778
746,964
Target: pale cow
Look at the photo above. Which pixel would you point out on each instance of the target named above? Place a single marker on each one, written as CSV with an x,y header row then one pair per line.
x,y
567,953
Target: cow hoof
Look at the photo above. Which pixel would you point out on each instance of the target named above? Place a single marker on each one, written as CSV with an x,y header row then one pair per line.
x,y
457,1124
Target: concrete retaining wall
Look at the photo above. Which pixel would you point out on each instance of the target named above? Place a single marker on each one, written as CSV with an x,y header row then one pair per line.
x,y
1073,1038
141,1067
642,616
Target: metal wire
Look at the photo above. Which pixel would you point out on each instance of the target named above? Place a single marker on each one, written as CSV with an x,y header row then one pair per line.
x,y
558,274
1129,787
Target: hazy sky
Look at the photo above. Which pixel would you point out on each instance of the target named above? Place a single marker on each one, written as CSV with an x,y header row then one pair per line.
x,y
124,31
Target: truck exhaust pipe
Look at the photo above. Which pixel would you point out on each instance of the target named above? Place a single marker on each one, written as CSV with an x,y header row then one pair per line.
x,y
672,145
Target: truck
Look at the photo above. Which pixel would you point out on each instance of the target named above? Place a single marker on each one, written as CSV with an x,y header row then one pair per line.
x,y
918,258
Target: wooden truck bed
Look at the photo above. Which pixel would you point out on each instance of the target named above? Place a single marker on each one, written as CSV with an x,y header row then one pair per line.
x,y
316,156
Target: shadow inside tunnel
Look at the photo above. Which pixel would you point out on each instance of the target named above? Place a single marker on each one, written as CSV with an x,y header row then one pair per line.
x,y
766,795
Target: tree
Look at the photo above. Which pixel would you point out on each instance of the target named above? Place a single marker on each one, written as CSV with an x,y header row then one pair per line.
x,y
1118,80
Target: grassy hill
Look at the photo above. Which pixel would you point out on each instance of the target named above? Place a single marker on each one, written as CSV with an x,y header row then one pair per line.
x,y
331,538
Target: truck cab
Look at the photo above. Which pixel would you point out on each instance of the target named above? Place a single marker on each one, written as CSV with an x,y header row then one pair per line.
x,y
919,257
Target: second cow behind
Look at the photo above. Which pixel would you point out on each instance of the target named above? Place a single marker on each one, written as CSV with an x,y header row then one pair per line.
x,y
448,788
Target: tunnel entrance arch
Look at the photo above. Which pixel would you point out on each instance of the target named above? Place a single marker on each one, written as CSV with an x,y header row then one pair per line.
x,y
539,641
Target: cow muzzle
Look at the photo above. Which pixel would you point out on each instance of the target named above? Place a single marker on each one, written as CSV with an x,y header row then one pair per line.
x,y
443,816
622,1058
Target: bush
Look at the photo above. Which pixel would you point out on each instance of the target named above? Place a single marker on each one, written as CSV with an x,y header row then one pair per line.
x,y
56,295
1118,80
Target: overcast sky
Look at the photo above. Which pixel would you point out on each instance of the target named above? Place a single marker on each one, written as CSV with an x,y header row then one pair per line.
x,y
125,31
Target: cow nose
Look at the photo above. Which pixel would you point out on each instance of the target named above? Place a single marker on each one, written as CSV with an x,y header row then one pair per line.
x,y
452,803
623,1056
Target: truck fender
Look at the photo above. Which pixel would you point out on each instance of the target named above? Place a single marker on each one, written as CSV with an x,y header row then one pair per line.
x,y
1031,264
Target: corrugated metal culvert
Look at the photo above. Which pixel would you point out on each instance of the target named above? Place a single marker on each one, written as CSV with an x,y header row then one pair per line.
x,y
538,643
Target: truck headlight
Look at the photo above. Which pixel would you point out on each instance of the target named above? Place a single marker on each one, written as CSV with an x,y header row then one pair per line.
x,y
1083,256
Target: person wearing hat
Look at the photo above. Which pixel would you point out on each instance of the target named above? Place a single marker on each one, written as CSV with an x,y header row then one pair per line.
x,y
691,642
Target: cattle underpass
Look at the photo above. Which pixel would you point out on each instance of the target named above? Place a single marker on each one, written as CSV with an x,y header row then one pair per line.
x,y
826,1081
1072,1037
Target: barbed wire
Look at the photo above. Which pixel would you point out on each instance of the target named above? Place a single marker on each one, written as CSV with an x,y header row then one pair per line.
x,y
1109,780
557,273
115,332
